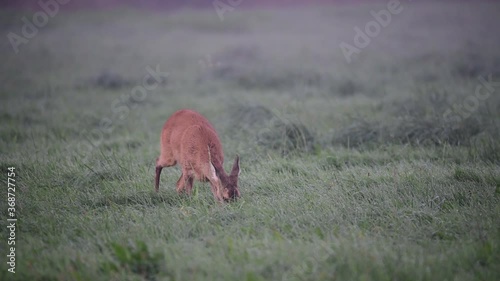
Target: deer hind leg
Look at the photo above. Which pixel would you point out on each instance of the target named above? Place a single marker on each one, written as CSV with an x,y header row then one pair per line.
x,y
160,163
157,177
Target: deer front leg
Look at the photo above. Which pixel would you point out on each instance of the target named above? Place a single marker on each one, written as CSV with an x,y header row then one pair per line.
x,y
181,183
215,183
189,185
216,190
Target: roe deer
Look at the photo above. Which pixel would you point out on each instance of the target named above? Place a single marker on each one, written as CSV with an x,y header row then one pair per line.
x,y
189,139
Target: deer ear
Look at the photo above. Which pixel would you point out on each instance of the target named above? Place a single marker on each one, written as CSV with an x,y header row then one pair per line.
x,y
236,167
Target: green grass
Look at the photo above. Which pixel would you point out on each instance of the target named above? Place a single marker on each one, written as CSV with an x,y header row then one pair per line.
x,y
349,171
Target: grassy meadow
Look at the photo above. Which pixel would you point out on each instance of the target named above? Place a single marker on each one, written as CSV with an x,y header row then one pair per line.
x,y
350,171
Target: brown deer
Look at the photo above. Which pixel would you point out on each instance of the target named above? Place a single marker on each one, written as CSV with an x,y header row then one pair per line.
x,y
189,139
